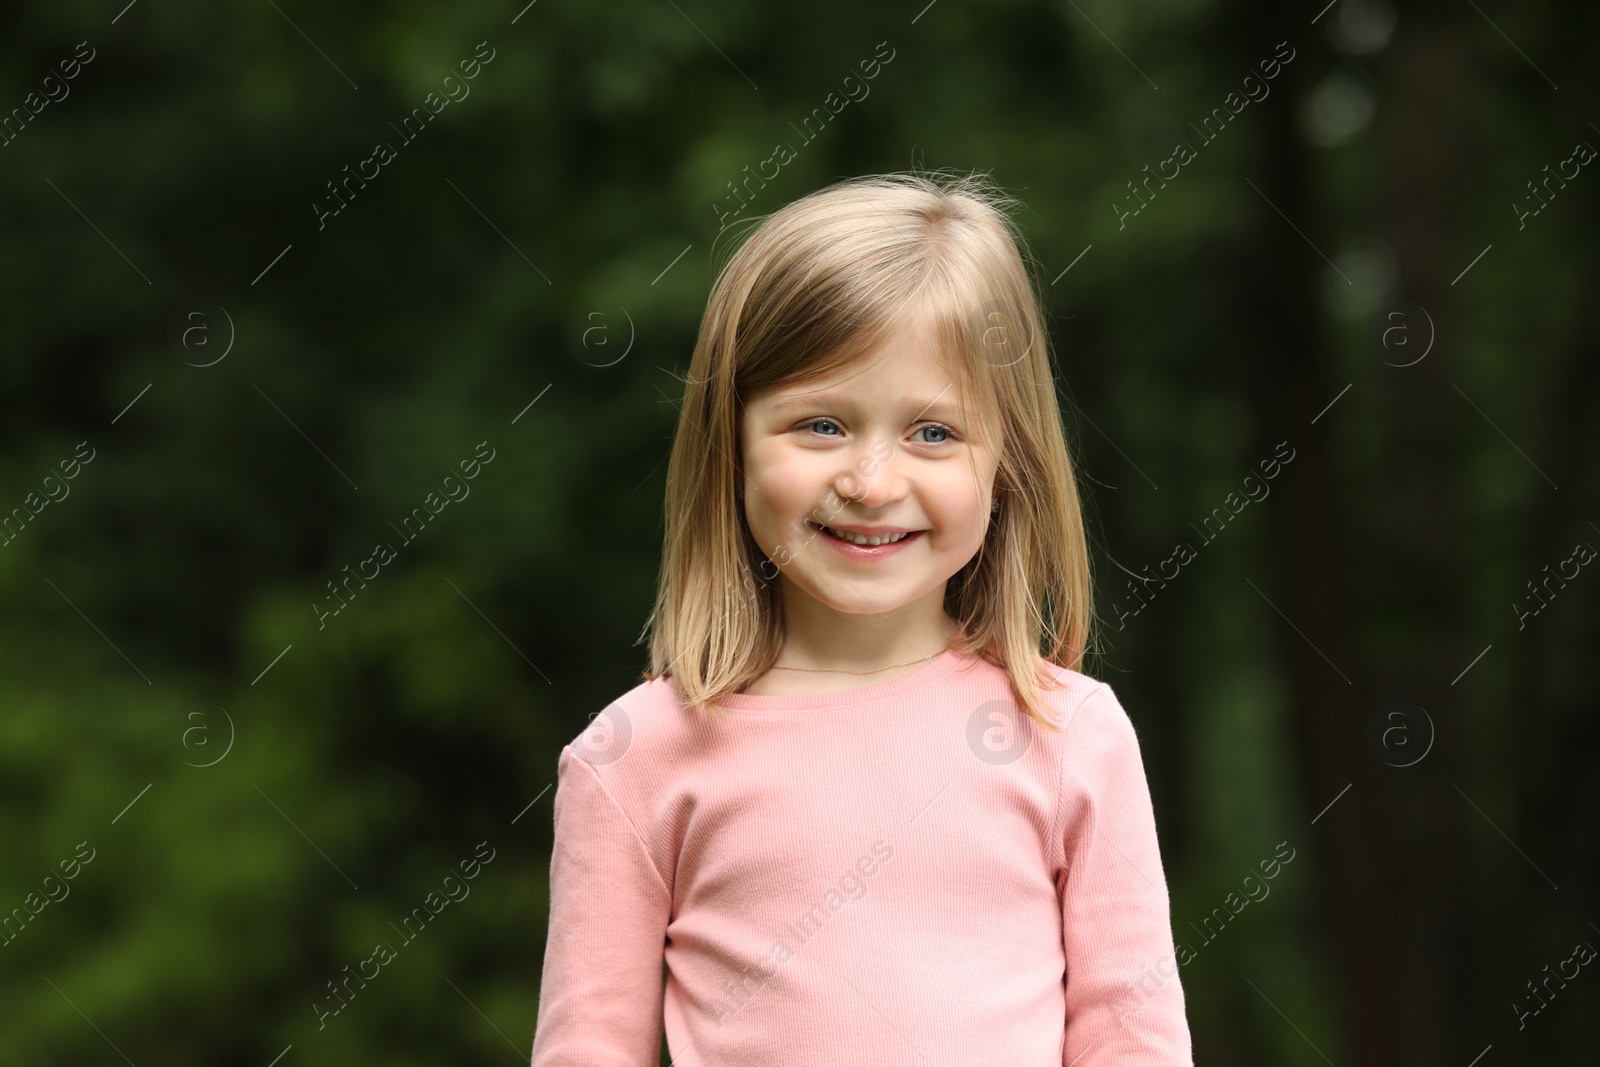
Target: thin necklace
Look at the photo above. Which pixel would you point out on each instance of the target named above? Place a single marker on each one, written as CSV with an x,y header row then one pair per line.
x,y
875,670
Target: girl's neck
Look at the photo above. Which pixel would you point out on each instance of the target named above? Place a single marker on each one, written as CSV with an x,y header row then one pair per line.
x,y
777,683
819,675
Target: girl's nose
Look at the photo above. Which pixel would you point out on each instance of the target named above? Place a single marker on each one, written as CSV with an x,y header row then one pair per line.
x,y
871,483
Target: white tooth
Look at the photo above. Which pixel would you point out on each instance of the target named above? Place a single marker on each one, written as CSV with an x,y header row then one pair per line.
x,y
862,539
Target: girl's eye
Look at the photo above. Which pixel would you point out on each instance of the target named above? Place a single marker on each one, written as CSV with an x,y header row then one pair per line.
x,y
934,426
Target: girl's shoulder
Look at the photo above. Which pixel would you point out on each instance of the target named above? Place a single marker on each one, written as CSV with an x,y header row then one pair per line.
x,y
634,719
1081,702
1066,688
1096,730
1068,696
1070,679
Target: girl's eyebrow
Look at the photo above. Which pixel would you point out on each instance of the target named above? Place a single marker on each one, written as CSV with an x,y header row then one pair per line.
x,y
937,408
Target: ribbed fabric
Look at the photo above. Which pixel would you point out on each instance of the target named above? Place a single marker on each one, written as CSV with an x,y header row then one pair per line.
x,y
909,873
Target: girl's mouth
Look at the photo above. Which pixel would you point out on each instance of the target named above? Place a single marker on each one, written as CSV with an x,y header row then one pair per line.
x,y
855,546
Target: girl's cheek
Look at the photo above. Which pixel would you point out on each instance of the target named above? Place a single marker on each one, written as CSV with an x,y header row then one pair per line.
x,y
789,479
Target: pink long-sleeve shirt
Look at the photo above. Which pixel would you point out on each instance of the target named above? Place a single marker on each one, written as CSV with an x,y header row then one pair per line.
x,y
910,872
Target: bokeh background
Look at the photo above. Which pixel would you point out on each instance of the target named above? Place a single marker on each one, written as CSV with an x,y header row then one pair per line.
x,y
1385,266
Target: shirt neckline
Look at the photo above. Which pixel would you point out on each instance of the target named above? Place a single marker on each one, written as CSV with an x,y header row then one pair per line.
x,y
936,668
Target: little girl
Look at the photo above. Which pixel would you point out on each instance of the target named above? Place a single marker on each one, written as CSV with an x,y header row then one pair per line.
x,y
851,815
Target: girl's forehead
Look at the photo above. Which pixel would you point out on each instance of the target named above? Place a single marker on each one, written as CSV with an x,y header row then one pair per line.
x,y
917,356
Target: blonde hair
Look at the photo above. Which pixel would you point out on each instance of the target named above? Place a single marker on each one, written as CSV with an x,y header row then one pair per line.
x,y
819,283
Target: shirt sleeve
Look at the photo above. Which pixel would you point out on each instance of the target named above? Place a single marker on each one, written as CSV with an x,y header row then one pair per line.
x,y
600,994
1124,1000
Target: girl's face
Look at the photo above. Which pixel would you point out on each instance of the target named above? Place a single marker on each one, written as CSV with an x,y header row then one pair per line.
x,y
878,448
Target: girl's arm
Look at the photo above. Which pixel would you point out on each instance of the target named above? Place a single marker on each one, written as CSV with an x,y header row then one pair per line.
x,y
1124,1001
600,997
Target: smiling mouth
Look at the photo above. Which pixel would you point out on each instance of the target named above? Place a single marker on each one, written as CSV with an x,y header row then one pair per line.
x,y
861,539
